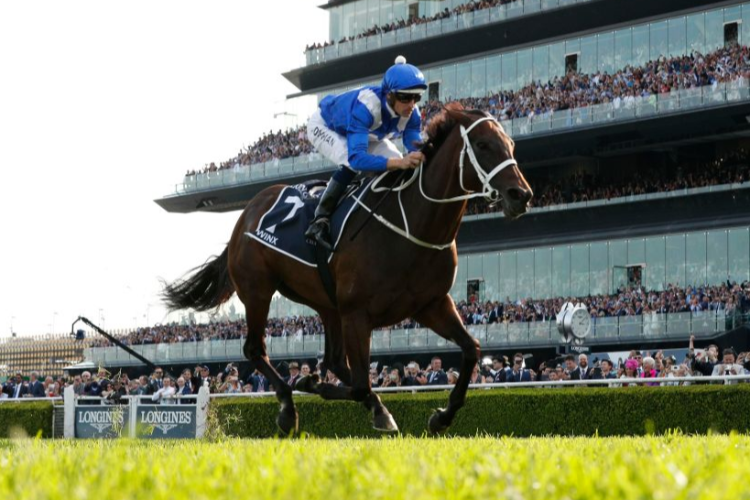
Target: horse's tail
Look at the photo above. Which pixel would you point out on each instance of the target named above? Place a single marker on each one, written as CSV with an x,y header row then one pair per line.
x,y
209,286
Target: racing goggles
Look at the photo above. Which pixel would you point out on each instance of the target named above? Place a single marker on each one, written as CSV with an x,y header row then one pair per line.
x,y
406,98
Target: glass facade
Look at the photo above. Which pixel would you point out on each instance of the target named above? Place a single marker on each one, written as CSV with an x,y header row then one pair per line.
x,y
607,51
494,336
695,258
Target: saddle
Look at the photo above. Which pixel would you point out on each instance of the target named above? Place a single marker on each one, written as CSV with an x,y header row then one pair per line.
x,y
283,226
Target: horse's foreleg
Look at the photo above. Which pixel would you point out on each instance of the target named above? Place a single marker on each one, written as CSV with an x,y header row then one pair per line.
x,y
335,357
255,351
442,318
334,360
357,344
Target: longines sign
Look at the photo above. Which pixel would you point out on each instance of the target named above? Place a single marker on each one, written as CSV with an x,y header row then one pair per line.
x,y
102,422
140,417
160,421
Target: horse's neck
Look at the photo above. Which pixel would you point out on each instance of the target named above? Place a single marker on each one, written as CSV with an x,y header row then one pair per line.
x,y
437,222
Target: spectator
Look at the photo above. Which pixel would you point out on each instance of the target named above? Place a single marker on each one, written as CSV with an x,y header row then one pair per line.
x,y
51,388
108,392
571,368
201,378
165,394
374,377
144,387
518,372
157,380
499,370
19,388
78,386
260,382
294,373
187,378
393,379
649,369
90,386
607,369
183,389
476,376
728,366
583,371
700,363
630,371
436,375
36,388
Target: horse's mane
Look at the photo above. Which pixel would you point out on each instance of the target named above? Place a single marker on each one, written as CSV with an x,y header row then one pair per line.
x,y
440,127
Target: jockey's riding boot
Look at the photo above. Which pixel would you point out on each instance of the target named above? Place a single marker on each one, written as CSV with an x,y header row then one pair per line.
x,y
320,227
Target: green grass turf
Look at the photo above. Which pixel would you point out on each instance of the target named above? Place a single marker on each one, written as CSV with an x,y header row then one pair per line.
x,y
673,466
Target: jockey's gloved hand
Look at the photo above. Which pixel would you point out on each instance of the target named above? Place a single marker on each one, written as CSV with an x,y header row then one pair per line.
x,y
412,160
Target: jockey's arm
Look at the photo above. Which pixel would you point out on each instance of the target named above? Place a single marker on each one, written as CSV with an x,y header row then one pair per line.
x,y
358,141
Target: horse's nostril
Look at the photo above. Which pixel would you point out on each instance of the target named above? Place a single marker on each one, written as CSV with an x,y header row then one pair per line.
x,y
520,195
515,194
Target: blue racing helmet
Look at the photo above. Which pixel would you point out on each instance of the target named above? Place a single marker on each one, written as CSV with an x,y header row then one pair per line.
x,y
403,77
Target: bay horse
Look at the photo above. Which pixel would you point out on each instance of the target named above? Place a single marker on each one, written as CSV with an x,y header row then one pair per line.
x,y
401,266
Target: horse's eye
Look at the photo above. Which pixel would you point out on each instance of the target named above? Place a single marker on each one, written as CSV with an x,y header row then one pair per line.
x,y
483,145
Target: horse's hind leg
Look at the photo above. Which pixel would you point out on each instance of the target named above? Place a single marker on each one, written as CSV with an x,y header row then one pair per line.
x,y
442,318
255,350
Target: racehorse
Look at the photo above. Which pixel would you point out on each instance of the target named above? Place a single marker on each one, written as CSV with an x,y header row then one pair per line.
x,y
403,266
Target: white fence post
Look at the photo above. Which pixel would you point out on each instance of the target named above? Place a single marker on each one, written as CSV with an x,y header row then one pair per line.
x,y
133,414
201,412
69,422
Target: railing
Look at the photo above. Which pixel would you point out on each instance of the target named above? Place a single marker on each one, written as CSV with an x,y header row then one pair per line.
x,y
495,336
677,101
456,22
31,400
539,384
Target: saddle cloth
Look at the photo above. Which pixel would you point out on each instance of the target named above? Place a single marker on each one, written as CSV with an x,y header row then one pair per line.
x,y
283,226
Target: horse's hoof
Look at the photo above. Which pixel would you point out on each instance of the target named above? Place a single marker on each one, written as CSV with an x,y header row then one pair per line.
x,y
307,383
436,424
384,423
288,422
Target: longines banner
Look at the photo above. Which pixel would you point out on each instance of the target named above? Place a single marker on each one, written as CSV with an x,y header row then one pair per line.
x,y
166,421
84,419
102,421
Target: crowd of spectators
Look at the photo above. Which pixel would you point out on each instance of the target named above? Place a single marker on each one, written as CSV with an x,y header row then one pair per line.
x,y
656,369
582,186
518,368
272,145
621,88
628,301
575,90
413,21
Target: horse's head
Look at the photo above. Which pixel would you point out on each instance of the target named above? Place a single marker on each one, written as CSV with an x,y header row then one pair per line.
x,y
486,159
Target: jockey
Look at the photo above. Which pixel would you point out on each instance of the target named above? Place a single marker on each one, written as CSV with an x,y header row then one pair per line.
x,y
353,130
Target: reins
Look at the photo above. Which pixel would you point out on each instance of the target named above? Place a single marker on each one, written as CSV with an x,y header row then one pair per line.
x,y
489,193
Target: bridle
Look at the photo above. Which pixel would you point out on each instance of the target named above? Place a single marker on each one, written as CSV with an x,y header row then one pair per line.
x,y
489,193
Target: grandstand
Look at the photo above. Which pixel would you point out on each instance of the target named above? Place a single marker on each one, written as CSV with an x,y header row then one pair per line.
x,y
48,354
651,102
